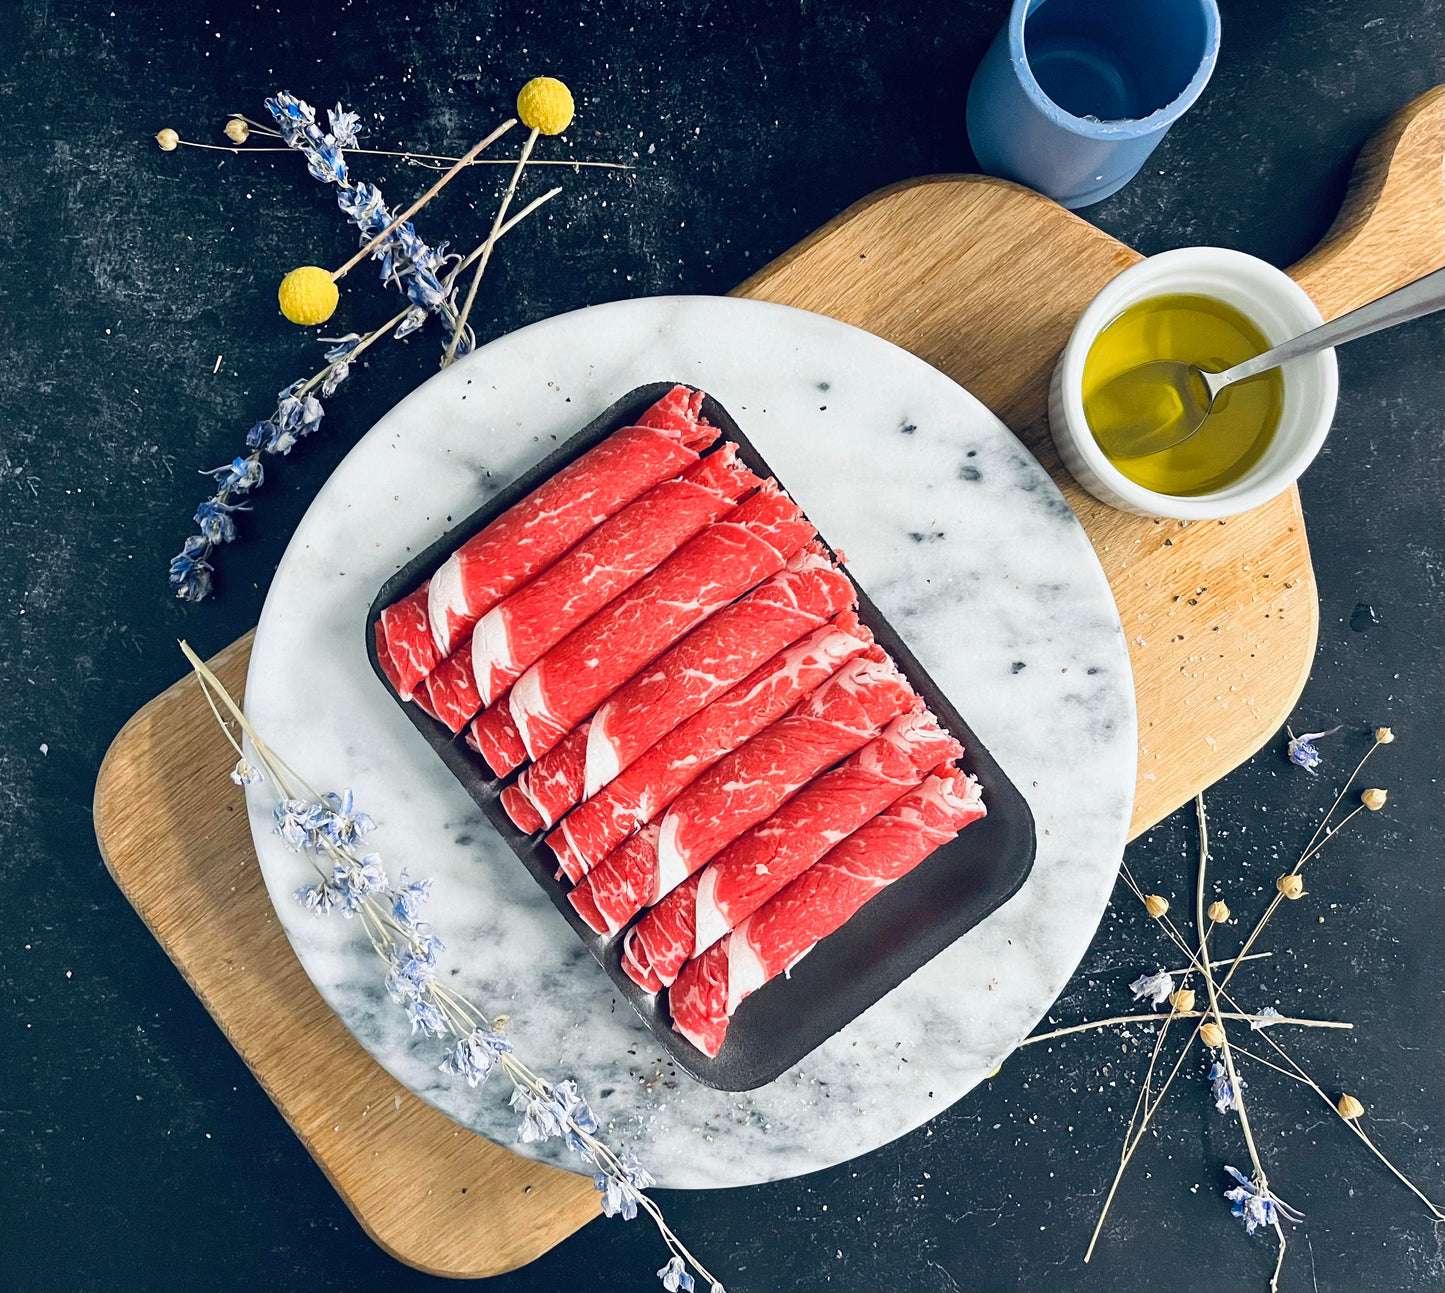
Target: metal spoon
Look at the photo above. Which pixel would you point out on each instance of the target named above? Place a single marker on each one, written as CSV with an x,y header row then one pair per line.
x,y
1161,404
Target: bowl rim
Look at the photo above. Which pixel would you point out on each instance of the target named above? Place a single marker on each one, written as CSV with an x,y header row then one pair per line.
x,y
1252,489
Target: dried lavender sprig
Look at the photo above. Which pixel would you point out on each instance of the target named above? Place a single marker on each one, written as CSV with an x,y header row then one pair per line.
x,y
298,413
328,825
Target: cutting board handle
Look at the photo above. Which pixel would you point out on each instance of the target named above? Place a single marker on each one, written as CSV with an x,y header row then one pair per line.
x,y
1391,228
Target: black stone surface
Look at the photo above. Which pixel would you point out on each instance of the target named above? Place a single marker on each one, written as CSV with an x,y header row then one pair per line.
x,y
136,1151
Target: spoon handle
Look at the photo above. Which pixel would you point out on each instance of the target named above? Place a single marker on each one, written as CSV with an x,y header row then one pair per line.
x,y
1423,296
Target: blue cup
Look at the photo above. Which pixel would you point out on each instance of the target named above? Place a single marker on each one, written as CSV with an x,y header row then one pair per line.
x,y
1073,95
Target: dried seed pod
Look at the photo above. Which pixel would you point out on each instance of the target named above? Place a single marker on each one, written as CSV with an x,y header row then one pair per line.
x,y
1349,1108
1183,1000
1374,798
237,131
1212,1035
1383,736
1218,912
167,139
1291,886
1156,906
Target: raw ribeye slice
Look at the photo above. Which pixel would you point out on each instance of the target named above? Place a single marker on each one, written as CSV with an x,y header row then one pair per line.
x,y
451,690
720,564
821,900
845,713
619,552
756,865
744,787
713,657
531,534
404,642
494,736
519,809
594,828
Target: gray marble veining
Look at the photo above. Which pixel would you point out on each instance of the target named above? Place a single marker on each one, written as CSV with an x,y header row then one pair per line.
x,y
957,534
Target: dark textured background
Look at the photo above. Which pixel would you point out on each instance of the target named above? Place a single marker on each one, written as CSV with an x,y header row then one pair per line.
x,y
135,1149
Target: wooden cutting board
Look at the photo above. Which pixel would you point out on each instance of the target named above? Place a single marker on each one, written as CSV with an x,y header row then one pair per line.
x,y
983,280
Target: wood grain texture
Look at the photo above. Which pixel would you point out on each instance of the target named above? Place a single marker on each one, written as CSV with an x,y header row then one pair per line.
x,y
173,831
980,278
985,280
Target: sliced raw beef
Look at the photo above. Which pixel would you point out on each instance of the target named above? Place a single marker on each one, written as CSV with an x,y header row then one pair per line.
x,y
524,816
494,736
723,562
451,689
845,713
383,658
815,904
634,857
554,783
608,562
531,534
745,786
646,788
756,865
712,658
409,650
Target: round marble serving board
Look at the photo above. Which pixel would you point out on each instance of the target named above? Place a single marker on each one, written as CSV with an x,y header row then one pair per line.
x,y
950,525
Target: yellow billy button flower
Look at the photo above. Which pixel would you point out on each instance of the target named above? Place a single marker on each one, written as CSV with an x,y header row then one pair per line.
x,y
1384,736
308,295
1349,1108
1291,886
1212,1035
1374,799
1183,1000
237,131
167,139
545,104
1218,912
1156,906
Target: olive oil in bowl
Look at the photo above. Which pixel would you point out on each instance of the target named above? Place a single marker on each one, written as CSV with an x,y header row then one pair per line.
x,y
1211,335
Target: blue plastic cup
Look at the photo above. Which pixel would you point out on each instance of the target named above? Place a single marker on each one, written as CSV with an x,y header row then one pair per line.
x,y
1073,95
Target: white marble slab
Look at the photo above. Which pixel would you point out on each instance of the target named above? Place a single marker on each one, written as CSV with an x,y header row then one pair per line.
x,y
951,526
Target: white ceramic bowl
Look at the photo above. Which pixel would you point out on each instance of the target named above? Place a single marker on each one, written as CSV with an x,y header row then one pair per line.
x,y
1277,305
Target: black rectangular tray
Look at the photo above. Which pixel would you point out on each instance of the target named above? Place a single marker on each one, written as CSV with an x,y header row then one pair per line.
x,y
904,927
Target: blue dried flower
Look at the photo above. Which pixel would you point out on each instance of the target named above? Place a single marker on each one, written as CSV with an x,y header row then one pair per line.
x,y
243,774
582,1119
1157,987
674,1276
475,1055
239,476
343,126
426,1018
618,1199
541,1119
1259,1025
357,879
214,518
1301,750
190,571
339,823
294,820
1255,1203
409,898
320,899
1220,1087
411,976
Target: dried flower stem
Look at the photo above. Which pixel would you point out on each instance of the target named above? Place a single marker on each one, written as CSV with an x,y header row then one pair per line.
x,y
1299,1075
426,197
1182,1014
487,246
1261,1177
384,933
420,159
